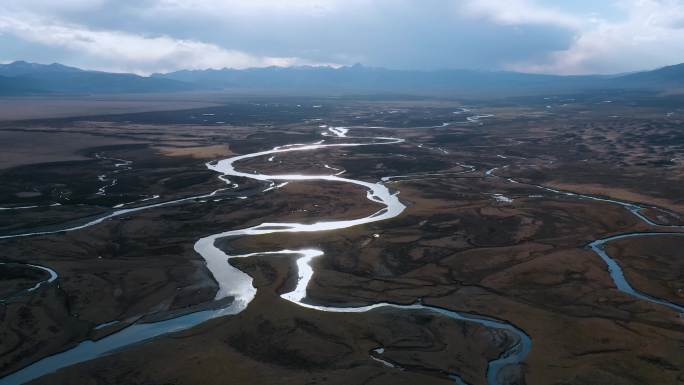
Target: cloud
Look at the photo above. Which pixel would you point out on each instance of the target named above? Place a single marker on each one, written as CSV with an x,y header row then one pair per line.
x,y
407,34
553,36
252,7
519,12
128,52
649,35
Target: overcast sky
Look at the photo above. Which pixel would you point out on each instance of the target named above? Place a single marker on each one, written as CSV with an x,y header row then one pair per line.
x,y
145,36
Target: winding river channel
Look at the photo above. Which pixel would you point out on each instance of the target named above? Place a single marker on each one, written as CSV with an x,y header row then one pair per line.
x,y
236,289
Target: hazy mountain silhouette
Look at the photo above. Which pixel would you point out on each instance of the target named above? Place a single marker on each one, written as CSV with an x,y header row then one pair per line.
x,y
662,78
359,78
22,78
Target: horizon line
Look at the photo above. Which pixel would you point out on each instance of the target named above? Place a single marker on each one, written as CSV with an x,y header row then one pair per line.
x,y
333,67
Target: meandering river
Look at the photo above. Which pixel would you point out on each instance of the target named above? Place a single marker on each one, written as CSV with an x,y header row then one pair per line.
x,y
237,285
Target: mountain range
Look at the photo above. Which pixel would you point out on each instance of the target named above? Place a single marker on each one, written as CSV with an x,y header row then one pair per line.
x,y
23,78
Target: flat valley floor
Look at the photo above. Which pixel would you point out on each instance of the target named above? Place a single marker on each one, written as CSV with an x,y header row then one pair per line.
x,y
512,213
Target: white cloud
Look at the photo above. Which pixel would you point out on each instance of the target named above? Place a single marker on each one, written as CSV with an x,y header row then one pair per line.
x,y
45,6
252,7
516,12
649,36
128,52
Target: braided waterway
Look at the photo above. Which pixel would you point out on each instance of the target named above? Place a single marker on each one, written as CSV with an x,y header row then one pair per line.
x,y
237,285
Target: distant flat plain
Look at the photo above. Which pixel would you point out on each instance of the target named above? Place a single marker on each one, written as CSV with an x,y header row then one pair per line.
x,y
19,108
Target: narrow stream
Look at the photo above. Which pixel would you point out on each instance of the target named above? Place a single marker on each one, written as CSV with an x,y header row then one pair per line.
x,y
618,276
614,269
113,214
52,277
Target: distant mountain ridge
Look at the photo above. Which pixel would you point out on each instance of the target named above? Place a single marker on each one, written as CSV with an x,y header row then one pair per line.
x,y
360,78
665,77
21,68
23,78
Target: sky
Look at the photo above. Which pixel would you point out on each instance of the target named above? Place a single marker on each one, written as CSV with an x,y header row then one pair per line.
x,y
543,36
